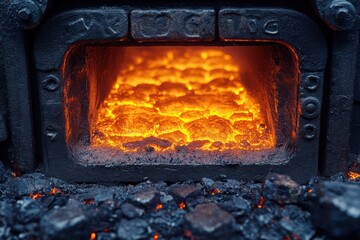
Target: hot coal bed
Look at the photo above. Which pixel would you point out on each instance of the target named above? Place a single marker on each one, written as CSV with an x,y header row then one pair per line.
x,y
179,120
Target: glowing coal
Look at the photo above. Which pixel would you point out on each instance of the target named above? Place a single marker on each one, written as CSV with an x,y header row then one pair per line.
x,y
181,97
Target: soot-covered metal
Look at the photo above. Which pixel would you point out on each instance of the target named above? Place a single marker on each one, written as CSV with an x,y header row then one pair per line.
x,y
51,49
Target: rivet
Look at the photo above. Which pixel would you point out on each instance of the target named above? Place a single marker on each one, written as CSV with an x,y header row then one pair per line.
x,y
342,14
310,107
312,82
51,83
24,14
51,133
308,131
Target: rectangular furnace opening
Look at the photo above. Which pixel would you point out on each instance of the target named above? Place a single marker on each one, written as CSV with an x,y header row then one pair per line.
x,y
181,104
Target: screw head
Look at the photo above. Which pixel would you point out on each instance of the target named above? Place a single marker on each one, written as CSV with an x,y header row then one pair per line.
x,y
342,14
24,13
311,108
308,131
51,83
312,82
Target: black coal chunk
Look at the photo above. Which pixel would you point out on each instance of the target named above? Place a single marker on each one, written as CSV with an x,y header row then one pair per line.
x,y
7,216
184,192
167,223
133,229
30,183
208,221
336,209
297,222
147,198
130,211
281,188
68,222
30,210
238,206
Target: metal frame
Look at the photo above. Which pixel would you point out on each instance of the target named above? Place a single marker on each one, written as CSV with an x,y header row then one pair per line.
x,y
338,19
283,26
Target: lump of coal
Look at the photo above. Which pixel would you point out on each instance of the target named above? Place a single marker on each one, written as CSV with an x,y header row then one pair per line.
x,y
27,184
30,210
146,198
167,223
7,215
184,192
297,222
68,222
208,221
238,206
336,209
281,188
130,211
207,183
133,230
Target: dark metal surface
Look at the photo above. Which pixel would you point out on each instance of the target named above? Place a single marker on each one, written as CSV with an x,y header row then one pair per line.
x,y
15,16
339,15
271,25
235,24
340,101
173,24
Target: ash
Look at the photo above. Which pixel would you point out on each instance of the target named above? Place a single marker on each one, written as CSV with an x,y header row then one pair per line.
x,y
34,206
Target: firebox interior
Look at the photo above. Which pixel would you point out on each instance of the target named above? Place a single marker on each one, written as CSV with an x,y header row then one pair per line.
x,y
181,104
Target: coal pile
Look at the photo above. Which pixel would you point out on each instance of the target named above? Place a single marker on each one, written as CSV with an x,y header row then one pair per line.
x,y
36,207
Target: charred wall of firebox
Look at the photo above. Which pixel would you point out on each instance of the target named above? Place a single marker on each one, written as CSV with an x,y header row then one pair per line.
x,y
272,76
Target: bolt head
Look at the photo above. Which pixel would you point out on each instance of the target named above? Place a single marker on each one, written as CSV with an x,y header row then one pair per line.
x,y
342,14
24,13
311,108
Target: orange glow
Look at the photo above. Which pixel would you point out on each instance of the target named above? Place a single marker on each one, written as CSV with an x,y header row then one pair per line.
x,y
310,190
215,191
93,236
156,236
182,205
353,175
54,191
88,201
159,206
35,195
188,97
261,202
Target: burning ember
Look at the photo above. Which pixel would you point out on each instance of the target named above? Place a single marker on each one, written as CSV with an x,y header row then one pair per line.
x,y
159,206
55,191
35,195
181,97
156,236
261,202
353,175
215,191
182,205
93,236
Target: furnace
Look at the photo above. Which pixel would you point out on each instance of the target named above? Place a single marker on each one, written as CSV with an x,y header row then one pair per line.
x,y
127,90
181,92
